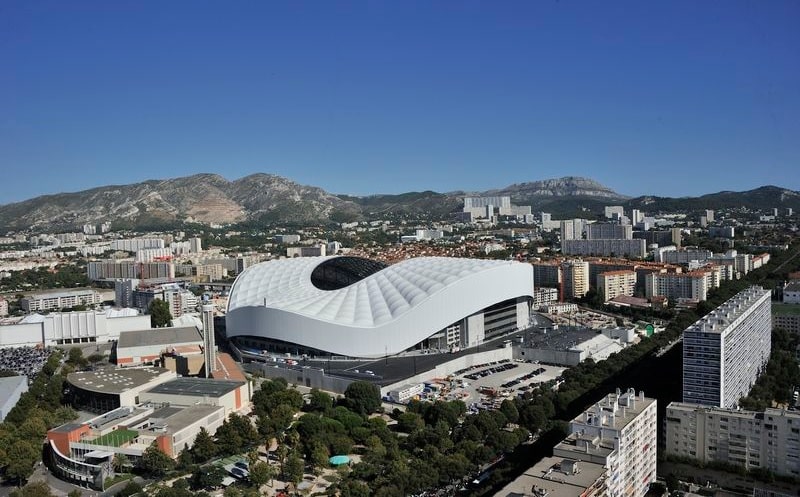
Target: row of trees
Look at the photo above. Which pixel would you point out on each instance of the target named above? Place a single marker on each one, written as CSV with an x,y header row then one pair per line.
x,y
64,276
776,383
25,426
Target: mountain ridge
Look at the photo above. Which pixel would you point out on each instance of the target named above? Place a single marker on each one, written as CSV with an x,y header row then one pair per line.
x,y
209,198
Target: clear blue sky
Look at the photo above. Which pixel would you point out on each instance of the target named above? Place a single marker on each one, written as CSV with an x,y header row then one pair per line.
x,y
667,98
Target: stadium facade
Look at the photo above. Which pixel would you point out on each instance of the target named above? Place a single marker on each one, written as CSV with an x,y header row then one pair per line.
x,y
357,307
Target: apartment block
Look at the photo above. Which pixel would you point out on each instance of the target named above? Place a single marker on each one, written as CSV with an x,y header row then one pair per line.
x,y
692,286
547,274
609,231
59,300
612,284
635,249
575,278
544,296
114,270
724,352
754,440
136,244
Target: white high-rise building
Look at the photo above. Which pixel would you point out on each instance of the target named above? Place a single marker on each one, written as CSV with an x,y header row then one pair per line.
x,y
724,352
620,433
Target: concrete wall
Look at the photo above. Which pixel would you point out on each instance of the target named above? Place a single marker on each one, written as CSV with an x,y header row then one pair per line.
x,y
309,377
550,356
21,335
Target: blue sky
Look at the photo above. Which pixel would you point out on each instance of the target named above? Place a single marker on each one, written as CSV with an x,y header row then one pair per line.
x,y
667,98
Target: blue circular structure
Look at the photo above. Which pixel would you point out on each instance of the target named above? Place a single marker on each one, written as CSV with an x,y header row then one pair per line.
x,y
339,460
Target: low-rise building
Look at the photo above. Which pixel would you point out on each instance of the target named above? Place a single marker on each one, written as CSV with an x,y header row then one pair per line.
x,y
791,293
53,301
146,346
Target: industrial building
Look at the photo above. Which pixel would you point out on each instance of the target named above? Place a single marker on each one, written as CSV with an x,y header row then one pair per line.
x,y
766,440
146,346
357,307
567,346
65,328
724,352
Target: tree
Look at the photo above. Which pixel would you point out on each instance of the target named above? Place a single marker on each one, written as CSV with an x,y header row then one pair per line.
x,y
131,488
203,448
293,470
208,477
75,357
363,397
120,462
35,489
319,457
261,473
75,493
160,315
95,358
22,455
154,462
319,401
236,435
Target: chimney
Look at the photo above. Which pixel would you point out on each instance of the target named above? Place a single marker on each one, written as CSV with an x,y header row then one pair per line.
x,y
209,345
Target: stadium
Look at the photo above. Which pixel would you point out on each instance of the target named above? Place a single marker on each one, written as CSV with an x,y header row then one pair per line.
x,y
361,308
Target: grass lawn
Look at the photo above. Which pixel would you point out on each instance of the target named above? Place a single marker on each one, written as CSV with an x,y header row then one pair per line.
x,y
116,438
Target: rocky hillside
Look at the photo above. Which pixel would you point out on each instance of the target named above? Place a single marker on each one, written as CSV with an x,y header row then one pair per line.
x,y
203,198
569,186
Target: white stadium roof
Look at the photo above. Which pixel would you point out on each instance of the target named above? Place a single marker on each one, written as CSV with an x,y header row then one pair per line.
x,y
358,307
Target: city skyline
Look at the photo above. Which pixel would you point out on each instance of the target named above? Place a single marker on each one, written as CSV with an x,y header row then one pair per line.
x,y
362,99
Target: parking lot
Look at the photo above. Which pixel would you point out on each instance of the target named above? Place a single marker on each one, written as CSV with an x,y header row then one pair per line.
x,y
484,385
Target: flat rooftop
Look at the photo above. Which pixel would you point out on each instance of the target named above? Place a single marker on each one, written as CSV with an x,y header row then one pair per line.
x,y
563,338
613,403
196,387
9,384
159,336
718,320
115,381
546,475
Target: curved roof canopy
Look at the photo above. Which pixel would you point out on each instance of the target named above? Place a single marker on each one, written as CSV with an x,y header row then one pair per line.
x,y
359,307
